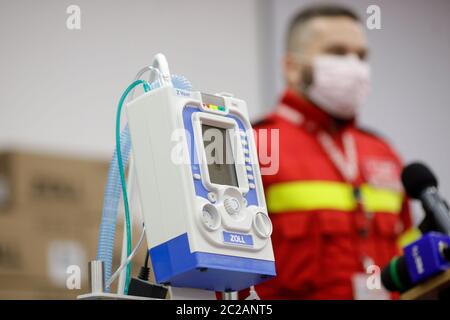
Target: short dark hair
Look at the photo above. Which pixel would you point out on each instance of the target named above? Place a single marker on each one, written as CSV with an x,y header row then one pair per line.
x,y
316,11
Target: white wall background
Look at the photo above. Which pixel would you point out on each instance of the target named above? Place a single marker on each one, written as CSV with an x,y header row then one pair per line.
x,y
59,88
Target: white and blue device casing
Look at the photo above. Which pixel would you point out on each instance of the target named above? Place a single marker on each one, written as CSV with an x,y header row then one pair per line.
x,y
200,234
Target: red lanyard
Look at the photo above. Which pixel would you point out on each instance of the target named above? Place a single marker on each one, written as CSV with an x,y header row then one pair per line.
x,y
346,162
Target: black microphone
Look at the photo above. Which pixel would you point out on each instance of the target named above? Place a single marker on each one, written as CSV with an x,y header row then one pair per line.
x,y
395,276
420,183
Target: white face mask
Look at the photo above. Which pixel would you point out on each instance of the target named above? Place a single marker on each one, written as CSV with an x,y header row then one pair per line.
x,y
340,84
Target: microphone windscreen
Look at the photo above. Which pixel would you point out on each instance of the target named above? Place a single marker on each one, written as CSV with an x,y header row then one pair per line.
x,y
416,177
395,276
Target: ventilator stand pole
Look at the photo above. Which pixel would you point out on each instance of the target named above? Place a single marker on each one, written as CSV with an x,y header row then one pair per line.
x,y
191,294
233,295
198,294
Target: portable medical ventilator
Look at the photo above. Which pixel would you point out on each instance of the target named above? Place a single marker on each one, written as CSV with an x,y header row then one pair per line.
x,y
200,188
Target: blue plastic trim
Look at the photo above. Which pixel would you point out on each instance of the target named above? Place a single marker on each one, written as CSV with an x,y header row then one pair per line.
x,y
175,265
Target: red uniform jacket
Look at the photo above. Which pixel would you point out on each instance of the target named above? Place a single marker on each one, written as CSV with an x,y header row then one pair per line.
x,y
320,233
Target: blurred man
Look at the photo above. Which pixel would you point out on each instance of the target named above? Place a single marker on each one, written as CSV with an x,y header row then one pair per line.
x,y
336,202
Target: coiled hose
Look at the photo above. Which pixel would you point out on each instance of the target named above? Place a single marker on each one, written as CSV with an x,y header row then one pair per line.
x,y
111,200
116,183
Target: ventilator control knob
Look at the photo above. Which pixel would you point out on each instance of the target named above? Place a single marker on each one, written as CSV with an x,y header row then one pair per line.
x,y
263,225
210,217
232,205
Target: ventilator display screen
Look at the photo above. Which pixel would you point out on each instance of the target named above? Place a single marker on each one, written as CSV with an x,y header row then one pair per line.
x,y
219,156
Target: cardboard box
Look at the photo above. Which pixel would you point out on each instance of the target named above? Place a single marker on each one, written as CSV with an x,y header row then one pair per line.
x,y
32,288
52,184
34,257
43,257
50,212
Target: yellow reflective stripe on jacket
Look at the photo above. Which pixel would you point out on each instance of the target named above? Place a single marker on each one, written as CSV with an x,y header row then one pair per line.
x,y
317,195
310,195
384,200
